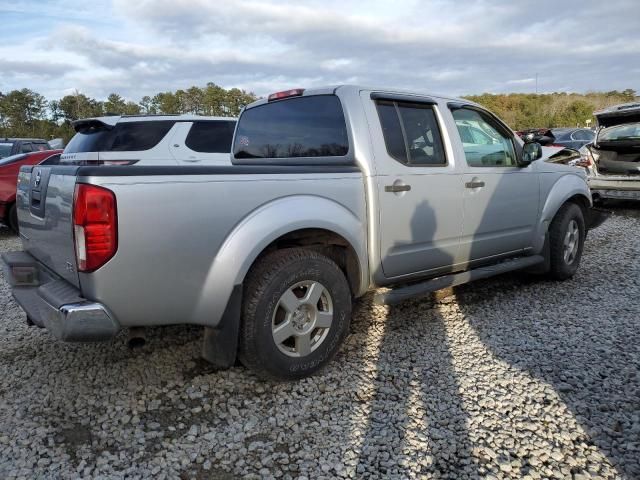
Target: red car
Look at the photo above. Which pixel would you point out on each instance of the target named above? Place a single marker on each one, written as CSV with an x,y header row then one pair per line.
x,y
9,168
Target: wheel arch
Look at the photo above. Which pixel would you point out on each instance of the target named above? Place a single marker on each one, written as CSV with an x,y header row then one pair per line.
x,y
300,220
568,188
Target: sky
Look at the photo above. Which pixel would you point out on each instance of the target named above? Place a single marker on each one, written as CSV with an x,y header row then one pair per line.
x,y
455,47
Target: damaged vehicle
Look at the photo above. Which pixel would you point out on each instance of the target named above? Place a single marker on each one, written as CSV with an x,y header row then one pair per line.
x,y
613,159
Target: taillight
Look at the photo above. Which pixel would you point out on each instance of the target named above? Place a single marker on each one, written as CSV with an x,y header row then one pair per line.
x,y
95,226
296,92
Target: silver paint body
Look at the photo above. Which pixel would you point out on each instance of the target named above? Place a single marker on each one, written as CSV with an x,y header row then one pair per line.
x,y
186,241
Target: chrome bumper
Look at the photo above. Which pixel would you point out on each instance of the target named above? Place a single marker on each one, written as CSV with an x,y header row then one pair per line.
x,y
55,304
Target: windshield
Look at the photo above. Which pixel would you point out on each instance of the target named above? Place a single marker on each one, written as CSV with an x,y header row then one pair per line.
x,y
629,131
5,149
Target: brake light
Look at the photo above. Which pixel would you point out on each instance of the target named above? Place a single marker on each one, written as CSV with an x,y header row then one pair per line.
x,y
95,226
296,92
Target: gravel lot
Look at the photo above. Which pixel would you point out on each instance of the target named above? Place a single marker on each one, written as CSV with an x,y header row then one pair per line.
x,y
505,378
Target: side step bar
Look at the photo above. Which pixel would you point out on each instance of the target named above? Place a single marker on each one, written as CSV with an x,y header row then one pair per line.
x,y
400,294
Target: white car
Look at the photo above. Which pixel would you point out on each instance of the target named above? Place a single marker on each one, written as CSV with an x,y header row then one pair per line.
x,y
151,140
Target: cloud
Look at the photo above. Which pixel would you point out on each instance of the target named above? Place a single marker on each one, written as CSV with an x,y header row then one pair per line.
x,y
450,46
22,68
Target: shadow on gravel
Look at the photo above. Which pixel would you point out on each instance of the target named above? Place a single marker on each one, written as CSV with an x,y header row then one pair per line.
x,y
592,363
417,423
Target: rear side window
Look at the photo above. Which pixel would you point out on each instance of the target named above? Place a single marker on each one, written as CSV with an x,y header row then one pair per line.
x,y
211,136
299,127
124,137
26,148
411,133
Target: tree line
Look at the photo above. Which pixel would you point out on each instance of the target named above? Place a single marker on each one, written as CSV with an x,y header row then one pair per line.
x,y
25,113
527,110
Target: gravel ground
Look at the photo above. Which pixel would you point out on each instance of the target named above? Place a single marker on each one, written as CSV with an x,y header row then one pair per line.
x,y
505,378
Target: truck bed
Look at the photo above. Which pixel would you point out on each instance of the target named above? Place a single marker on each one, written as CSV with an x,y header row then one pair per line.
x,y
172,223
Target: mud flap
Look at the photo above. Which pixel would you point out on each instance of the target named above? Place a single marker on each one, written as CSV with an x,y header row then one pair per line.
x,y
545,266
220,344
596,217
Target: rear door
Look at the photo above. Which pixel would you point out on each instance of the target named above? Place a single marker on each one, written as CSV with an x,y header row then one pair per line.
x,y
500,197
419,189
204,141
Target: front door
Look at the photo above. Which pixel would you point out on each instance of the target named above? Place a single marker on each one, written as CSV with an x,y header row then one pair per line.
x,y
501,198
419,190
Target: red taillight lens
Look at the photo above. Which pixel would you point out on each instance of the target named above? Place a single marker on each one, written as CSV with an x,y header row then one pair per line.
x,y
296,92
95,226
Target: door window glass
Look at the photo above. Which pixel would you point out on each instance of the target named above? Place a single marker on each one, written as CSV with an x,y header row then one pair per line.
x,y
411,133
484,142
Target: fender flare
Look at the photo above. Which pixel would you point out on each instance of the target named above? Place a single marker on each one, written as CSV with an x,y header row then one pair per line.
x,y
565,188
259,229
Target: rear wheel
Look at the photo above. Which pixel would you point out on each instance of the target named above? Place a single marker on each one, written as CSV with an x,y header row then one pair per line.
x,y
566,241
296,314
13,218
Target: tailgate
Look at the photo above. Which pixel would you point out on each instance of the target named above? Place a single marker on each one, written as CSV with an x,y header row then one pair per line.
x,y
45,204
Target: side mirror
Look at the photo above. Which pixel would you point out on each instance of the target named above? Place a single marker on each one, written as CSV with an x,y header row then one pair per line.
x,y
531,150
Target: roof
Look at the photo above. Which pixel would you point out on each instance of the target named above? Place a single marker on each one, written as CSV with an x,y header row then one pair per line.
x,y
332,89
114,119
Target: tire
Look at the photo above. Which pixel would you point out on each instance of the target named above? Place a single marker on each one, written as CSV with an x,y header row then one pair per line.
x,y
566,241
284,335
13,218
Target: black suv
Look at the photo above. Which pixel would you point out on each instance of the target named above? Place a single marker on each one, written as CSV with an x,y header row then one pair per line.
x,y
13,146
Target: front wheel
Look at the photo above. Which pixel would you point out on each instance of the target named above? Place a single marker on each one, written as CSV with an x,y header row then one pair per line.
x,y
296,314
566,240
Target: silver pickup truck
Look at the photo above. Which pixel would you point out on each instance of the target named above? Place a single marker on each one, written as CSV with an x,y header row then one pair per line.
x,y
332,192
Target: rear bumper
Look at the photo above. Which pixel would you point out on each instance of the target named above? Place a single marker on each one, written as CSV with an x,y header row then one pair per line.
x,y
615,186
55,304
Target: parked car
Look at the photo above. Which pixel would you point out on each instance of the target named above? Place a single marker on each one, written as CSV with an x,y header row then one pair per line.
x,y
9,169
561,137
151,140
613,159
332,192
14,146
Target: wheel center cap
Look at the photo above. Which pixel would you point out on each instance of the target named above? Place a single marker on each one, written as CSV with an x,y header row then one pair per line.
x,y
301,317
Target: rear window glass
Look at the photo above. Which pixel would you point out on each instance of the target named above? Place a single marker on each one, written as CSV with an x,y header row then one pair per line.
x,y
211,137
299,127
5,149
620,132
124,137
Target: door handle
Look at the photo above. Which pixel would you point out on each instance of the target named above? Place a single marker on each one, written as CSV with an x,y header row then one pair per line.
x,y
474,184
397,188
